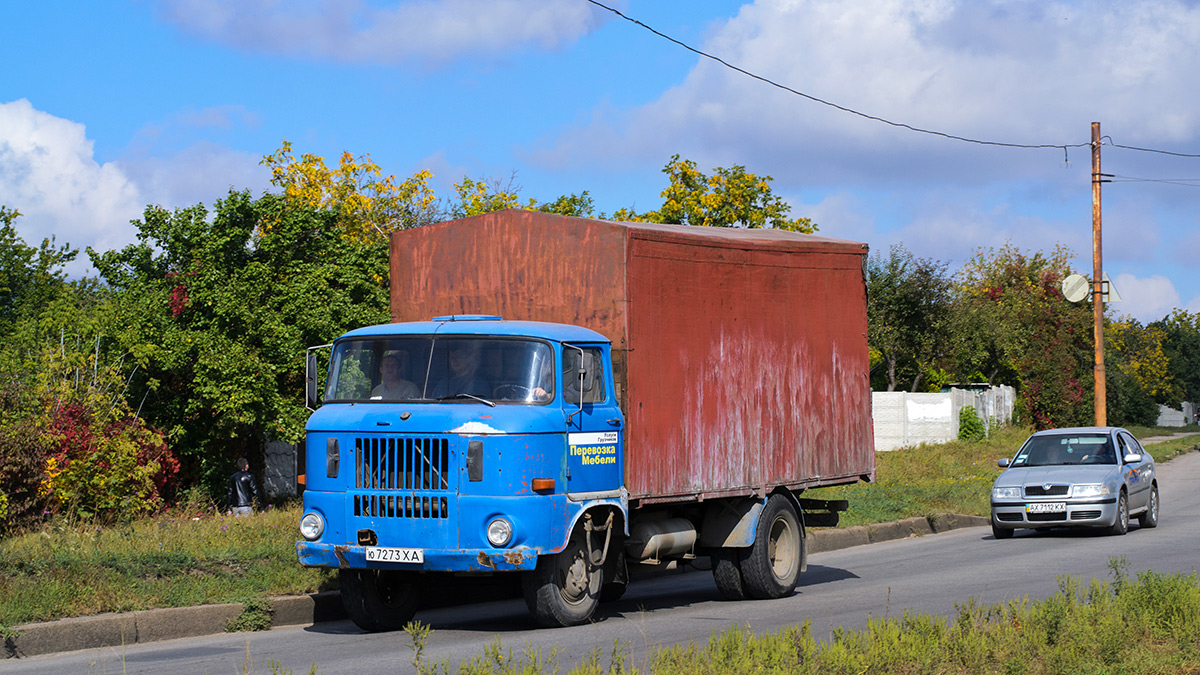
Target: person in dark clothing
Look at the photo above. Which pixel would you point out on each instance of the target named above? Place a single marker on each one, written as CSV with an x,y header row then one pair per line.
x,y
243,492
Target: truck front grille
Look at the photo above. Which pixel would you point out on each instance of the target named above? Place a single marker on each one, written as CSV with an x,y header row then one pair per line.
x,y
402,463
418,467
399,506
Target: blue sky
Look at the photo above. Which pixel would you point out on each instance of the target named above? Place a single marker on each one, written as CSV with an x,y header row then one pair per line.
x,y
108,107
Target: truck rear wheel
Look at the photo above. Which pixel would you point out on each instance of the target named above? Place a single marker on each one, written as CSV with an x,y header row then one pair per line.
x,y
772,566
727,574
379,600
564,589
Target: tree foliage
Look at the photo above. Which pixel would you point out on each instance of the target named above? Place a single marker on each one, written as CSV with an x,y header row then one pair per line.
x,y
728,198
69,440
1022,322
368,205
908,312
1181,347
29,277
217,311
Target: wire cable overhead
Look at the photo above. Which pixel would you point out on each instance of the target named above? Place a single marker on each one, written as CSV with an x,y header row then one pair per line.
x,y
876,118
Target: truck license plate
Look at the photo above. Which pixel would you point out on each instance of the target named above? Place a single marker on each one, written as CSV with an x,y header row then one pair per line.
x,y
390,554
1046,507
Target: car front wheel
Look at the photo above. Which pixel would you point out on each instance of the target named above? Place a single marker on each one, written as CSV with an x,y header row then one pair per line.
x,y
1121,522
1149,518
1001,532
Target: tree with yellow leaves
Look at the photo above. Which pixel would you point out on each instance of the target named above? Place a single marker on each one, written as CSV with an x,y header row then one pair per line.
x,y
728,198
369,206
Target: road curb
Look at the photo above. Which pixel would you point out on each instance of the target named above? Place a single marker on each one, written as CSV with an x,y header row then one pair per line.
x,y
153,625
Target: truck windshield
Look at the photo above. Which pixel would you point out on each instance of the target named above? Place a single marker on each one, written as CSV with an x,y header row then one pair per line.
x,y
454,368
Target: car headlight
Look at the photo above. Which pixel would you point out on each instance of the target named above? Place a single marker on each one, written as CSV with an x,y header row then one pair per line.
x,y
1089,490
312,526
499,532
1006,493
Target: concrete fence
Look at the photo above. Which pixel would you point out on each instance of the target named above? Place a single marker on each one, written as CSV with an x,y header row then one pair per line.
x,y
1170,417
905,418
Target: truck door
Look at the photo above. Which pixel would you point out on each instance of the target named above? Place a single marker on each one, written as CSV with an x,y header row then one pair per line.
x,y
595,458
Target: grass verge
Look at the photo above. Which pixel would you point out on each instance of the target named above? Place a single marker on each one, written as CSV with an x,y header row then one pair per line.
x,y
1147,624
173,560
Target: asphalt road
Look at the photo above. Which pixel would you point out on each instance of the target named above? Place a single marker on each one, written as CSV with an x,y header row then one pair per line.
x,y
841,588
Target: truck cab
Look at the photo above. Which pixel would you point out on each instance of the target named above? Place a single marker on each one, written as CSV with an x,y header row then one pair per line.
x,y
466,445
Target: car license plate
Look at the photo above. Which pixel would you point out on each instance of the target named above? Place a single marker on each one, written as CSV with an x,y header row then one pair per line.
x,y
391,554
1046,507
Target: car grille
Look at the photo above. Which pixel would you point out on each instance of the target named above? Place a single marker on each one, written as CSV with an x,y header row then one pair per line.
x,y
1046,491
1009,517
420,467
1085,515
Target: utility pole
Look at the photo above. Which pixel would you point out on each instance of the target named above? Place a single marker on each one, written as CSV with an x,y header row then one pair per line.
x,y
1098,283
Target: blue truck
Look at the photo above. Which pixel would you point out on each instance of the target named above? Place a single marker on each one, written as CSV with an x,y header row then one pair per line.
x,y
662,412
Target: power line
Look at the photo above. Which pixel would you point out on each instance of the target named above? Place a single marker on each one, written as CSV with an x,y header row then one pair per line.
x,y
1160,152
1184,182
901,125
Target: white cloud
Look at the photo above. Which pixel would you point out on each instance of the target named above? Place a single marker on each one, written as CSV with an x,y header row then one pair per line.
x,y
1145,299
200,173
49,174
1027,72
362,32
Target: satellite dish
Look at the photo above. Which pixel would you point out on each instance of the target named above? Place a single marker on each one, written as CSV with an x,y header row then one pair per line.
x,y
1075,287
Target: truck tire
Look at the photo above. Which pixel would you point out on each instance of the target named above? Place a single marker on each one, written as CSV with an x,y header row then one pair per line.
x,y
727,574
379,600
772,566
564,588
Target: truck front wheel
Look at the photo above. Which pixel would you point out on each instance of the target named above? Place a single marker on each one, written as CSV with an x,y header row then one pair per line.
x,y
564,589
379,600
772,566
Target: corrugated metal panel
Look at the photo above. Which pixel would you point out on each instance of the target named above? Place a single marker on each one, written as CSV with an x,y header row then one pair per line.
x,y
740,355
747,368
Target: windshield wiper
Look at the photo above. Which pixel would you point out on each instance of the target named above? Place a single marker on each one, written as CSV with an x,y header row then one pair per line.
x,y
465,395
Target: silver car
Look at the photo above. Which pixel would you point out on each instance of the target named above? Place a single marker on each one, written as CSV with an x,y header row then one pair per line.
x,y
1083,477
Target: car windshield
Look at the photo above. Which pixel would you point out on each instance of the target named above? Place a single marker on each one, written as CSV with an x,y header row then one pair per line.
x,y
1059,449
455,368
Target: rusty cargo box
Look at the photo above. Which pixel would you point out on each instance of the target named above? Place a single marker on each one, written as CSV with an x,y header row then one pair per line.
x,y
740,356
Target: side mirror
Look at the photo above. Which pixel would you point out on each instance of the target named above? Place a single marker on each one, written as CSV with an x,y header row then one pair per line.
x,y
1002,463
1133,458
310,380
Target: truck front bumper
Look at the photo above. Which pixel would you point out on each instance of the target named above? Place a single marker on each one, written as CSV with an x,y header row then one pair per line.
x,y
348,556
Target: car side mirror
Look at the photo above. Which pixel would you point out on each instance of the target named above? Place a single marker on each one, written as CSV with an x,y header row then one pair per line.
x,y
1002,462
1133,458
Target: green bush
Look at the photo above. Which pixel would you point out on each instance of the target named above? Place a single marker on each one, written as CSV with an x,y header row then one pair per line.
x,y
970,427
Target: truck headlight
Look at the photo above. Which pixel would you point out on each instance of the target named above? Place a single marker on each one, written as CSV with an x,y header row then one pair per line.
x,y
1089,490
312,526
499,532
1006,493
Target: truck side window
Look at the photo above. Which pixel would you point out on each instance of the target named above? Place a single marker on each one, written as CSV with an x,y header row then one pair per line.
x,y
593,376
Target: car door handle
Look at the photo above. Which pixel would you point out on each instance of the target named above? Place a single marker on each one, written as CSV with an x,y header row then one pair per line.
x,y
616,421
